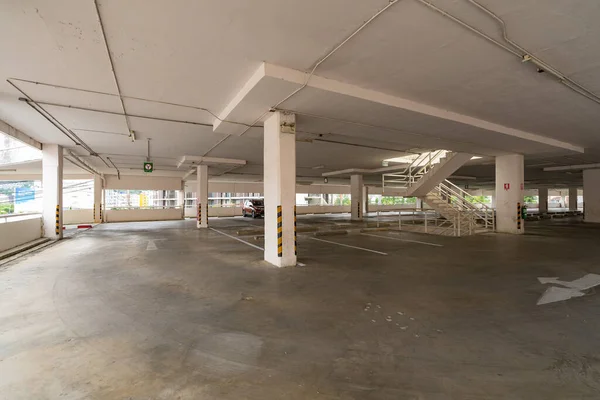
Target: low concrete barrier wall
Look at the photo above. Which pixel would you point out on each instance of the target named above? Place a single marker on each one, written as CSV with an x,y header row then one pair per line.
x,y
16,233
143,215
78,217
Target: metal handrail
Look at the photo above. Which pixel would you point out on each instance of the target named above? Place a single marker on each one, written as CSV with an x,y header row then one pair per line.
x,y
484,213
465,193
416,170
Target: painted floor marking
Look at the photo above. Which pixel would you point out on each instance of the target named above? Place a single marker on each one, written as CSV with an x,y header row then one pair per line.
x,y
571,289
403,240
249,244
238,239
152,244
352,247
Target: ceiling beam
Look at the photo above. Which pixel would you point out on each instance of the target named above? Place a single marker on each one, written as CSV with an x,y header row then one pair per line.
x,y
20,136
270,82
573,167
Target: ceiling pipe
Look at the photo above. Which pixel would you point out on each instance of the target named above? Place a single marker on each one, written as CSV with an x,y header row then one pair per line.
x,y
118,113
132,98
115,167
77,164
112,68
312,72
75,156
53,120
524,55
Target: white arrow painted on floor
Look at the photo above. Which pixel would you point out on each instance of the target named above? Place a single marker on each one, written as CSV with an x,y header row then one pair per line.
x,y
571,289
152,244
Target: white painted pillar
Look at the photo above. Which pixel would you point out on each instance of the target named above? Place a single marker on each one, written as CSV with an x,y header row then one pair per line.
x,y
181,199
356,197
509,194
52,186
572,199
202,197
97,198
280,189
591,195
365,200
543,200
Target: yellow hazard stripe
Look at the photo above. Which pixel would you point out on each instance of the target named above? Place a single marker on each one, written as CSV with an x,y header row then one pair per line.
x,y
279,232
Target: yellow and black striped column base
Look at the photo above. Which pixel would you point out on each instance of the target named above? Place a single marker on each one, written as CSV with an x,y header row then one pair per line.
x,y
279,233
94,217
199,213
295,235
100,212
57,230
519,215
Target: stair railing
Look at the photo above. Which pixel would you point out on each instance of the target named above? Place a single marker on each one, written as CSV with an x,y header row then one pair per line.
x,y
458,200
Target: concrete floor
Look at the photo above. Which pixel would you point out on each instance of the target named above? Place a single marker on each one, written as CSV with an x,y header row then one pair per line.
x,y
164,311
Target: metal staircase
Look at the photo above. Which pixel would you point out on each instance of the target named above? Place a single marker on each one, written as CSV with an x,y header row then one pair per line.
x,y
425,178
464,215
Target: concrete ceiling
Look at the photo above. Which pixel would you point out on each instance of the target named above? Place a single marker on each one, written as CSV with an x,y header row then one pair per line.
x,y
200,54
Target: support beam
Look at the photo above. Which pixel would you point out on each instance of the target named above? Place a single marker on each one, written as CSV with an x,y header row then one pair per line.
x,y
272,83
543,200
17,134
280,189
356,197
509,194
573,199
202,197
52,184
98,198
591,195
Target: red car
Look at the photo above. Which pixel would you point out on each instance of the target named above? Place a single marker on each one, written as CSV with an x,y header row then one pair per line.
x,y
254,208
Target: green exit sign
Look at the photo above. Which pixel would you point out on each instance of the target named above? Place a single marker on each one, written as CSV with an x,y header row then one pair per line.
x,y
148,167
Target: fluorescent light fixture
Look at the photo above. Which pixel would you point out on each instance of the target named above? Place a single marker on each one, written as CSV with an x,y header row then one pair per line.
x,y
475,158
318,167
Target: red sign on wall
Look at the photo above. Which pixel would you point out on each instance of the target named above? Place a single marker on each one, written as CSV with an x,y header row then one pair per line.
x,y
506,186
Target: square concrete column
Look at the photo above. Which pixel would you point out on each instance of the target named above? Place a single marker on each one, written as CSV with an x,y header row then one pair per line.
x,y
356,197
280,189
202,197
543,200
365,200
52,184
98,198
591,195
509,194
181,199
573,199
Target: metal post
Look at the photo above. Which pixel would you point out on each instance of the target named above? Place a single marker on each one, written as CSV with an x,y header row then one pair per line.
x,y
400,220
378,218
425,222
470,226
455,225
458,223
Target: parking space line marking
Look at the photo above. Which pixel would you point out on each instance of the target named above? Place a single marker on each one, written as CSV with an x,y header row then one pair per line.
x,y
403,240
352,247
238,239
249,244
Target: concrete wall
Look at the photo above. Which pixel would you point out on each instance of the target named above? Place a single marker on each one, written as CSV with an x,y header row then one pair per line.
x,y
78,217
143,215
16,233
